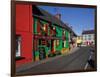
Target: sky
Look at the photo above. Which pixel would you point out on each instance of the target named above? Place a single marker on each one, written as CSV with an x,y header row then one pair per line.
x,y
79,18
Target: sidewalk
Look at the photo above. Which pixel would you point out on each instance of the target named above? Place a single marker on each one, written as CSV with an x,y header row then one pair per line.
x,y
73,50
33,64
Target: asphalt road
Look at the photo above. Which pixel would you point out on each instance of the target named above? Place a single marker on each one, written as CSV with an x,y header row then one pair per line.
x,y
72,62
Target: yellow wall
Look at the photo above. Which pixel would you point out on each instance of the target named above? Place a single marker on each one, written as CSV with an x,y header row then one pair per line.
x,y
79,39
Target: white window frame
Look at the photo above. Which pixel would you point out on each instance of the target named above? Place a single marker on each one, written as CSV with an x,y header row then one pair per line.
x,y
18,52
64,43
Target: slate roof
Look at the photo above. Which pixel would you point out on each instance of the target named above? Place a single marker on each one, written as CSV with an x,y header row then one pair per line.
x,y
88,32
42,14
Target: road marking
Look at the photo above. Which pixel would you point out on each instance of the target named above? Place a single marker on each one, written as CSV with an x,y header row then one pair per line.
x,y
86,66
87,63
90,57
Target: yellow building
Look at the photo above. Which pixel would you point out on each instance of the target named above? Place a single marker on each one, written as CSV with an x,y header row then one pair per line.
x,y
79,40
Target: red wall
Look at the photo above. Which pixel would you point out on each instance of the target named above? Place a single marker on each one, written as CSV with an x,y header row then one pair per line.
x,y
24,28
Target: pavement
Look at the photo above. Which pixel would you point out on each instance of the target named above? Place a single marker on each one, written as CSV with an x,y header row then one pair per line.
x,y
33,64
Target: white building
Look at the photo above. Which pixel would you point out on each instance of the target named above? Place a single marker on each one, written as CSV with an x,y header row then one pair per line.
x,y
88,37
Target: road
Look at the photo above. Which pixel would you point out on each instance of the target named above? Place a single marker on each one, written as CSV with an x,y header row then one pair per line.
x,y
72,62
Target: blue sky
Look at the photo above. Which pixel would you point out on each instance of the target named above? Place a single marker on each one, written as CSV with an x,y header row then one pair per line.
x,y
79,18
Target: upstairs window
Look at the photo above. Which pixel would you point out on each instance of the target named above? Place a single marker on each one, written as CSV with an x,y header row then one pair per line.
x,y
35,25
89,37
64,32
44,27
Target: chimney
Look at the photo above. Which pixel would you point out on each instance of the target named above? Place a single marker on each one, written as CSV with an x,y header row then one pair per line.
x,y
58,16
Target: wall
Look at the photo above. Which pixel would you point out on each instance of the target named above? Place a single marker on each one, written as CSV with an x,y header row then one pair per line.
x,y
67,39
59,34
24,28
86,37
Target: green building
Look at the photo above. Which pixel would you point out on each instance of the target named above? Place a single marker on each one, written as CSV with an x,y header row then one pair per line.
x,y
50,34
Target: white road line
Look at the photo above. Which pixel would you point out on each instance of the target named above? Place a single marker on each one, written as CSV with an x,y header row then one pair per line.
x,y
90,57
87,63
86,66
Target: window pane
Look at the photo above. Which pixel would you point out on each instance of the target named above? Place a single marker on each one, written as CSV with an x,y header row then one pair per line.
x,y
18,45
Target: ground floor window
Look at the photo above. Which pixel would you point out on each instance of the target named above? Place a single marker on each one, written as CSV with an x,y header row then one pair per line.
x,y
57,42
64,43
18,45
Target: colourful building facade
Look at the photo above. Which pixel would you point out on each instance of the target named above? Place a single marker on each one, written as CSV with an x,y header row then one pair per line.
x,y
49,39
24,34
88,37
38,34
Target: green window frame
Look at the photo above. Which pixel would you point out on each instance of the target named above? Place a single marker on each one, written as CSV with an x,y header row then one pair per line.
x,y
35,25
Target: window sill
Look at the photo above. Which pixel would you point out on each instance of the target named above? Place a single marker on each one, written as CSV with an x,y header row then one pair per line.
x,y
19,58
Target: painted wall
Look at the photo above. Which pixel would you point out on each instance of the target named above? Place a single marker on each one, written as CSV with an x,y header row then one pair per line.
x,y
67,38
49,31
88,38
59,34
24,29
37,30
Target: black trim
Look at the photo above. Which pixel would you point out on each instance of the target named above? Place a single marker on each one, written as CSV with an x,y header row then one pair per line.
x,y
19,58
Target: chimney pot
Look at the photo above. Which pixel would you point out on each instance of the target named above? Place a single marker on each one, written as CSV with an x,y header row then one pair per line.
x,y
58,16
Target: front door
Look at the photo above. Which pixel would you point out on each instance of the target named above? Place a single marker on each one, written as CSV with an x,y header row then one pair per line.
x,y
52,46
42,53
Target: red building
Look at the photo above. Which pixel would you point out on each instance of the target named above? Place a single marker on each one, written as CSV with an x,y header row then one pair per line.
x,y
23,34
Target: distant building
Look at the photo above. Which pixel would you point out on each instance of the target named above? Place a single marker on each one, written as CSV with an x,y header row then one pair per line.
x,y
79,40
88,37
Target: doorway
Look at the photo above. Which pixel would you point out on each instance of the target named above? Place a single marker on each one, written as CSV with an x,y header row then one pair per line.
x,y
52,46
41,47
